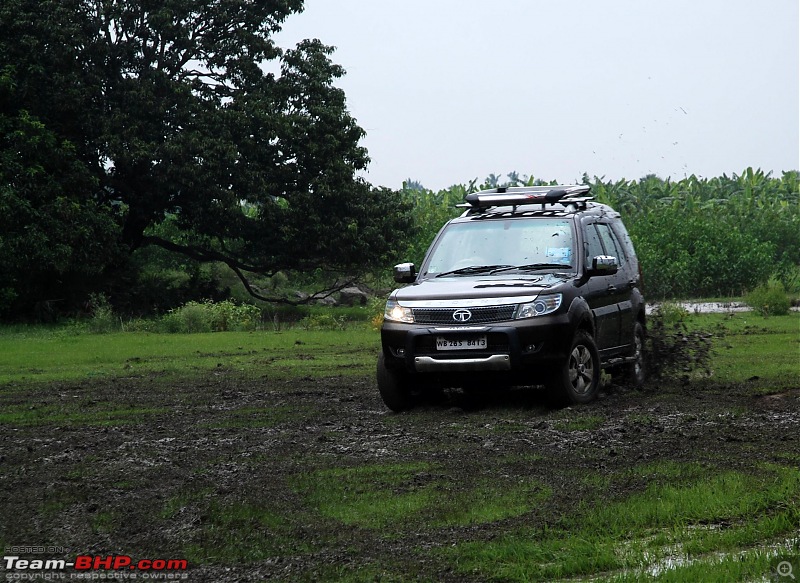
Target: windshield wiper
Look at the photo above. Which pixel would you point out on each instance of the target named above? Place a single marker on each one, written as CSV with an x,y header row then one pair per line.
x,y
475,269
531,267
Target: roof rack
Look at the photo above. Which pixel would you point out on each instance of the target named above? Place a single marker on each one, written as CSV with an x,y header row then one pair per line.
x,y
521,195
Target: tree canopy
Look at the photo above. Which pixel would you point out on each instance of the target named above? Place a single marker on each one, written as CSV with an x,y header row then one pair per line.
x,y
117,115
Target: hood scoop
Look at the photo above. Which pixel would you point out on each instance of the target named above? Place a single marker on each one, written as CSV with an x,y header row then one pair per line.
x,y
526,283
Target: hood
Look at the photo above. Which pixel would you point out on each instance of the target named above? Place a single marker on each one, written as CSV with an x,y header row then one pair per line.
x,y
478,288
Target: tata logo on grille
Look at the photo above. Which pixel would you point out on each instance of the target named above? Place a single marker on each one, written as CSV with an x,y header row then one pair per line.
x,y
462,315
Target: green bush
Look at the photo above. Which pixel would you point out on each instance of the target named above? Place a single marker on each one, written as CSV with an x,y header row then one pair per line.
x,y
322,322
103,319
671,313
375,309
226,316
790,278
769,299
196,317
689,254
211,316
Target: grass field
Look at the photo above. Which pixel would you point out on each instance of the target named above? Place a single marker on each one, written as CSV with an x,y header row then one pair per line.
x,y
269,456
45,355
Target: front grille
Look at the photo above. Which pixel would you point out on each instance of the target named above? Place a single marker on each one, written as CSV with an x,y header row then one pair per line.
x,y
455,316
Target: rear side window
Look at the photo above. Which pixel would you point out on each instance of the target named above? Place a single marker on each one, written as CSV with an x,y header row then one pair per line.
x,y
593,245
611,243
627,244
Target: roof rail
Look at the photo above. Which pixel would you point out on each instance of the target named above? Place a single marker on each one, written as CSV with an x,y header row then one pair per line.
x,y
519,195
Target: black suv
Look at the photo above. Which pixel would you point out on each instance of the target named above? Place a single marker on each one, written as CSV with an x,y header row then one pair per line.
x,y
529,286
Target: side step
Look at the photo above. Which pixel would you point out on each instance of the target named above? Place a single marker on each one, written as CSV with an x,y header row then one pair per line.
x,y
617,361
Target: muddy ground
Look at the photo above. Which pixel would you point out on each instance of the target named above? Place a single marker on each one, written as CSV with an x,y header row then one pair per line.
x,y
149,481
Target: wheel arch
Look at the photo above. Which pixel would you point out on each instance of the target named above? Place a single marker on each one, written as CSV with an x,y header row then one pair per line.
x,y
582,317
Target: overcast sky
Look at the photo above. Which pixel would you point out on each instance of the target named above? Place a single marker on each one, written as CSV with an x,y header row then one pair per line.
x,y
453,90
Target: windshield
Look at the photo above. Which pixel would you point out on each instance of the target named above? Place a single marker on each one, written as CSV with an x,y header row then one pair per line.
x,y
502,246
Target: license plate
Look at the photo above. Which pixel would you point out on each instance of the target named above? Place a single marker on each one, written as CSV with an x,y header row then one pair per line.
x,y
461,343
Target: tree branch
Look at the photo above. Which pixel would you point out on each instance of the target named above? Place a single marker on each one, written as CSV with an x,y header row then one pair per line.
x,y
205,255
239,267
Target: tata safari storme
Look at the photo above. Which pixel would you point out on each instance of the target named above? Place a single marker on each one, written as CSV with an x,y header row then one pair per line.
x,y
529,286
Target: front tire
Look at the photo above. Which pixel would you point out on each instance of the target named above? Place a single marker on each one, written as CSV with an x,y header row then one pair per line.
x,y
393,387
577,379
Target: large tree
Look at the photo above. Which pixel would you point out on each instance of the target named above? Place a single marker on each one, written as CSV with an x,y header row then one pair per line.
x,y
187,110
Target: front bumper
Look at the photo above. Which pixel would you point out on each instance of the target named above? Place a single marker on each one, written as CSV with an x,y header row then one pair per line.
x,y
516,347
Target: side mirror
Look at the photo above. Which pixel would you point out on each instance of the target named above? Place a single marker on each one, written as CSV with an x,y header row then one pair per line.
x,y
604,265
405,273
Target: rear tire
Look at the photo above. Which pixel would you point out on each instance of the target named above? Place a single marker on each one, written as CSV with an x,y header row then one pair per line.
x,y
637,370
634,373
577,379
393,387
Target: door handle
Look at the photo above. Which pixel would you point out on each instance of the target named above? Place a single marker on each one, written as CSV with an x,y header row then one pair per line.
x,y
612,288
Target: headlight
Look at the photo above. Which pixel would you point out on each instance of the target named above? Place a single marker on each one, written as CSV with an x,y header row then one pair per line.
x,y
396,313
540,306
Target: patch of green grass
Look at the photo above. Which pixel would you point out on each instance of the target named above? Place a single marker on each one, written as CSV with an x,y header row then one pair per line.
x,y
766,348
718,497
58,356
763,351
600,482
669,471
379,496
746,322
488,501
647,527
242,532
368,496
231,531
579,423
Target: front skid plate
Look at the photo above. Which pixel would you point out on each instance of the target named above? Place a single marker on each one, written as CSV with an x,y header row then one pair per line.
x,y
493,362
